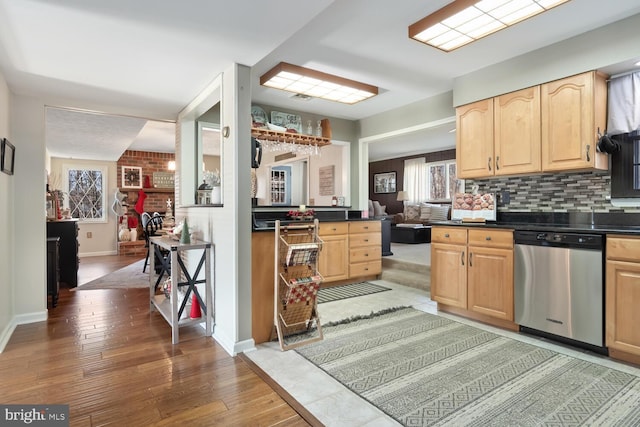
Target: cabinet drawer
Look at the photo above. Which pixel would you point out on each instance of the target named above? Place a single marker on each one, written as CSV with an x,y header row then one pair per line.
x,y
453,235
364,226
365,268
623,248
491,238
373,253
371,239
333,228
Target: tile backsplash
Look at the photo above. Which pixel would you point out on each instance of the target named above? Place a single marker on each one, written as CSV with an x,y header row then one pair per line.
x,y
558,192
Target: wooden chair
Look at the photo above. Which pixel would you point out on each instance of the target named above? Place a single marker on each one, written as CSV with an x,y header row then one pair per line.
x,y
152,225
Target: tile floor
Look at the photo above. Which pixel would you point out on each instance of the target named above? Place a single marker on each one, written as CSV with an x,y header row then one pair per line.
x,y
335,405
419,253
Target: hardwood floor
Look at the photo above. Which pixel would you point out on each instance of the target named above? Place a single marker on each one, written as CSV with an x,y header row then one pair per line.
x,y
105,355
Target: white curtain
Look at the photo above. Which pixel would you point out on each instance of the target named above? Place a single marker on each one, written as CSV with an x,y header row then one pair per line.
x,y
416,182
624,104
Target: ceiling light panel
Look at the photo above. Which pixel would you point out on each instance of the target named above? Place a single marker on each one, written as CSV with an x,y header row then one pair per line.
x,y
464,21
305,81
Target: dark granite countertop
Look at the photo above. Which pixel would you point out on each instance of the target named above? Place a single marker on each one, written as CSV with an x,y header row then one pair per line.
x,y
597,223
264,219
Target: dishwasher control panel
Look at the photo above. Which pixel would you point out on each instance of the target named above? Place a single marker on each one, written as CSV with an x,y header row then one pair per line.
x,y
544,238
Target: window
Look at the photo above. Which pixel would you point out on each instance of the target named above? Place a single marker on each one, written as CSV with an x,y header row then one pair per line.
x,y
429,182
415,180
86,193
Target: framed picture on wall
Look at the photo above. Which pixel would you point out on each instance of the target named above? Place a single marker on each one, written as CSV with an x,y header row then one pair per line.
x,y
131,177
384,182
8,157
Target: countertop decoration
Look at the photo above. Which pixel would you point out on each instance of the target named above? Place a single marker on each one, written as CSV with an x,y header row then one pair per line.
x,y
301,214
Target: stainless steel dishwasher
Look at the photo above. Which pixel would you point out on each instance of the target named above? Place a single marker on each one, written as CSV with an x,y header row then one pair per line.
x,y
558,279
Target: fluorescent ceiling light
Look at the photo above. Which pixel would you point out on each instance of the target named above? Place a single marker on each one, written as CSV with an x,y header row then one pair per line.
x,y
317,84
464,21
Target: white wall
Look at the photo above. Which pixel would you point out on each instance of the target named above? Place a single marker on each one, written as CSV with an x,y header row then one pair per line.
x,y
611,44
227,227
7,184
103,240
29,249
335,154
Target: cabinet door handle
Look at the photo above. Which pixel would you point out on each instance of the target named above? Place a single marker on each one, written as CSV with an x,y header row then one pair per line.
x,y
497,162
462,257
366,240
470,259
588,156
446,235
489,163
487,238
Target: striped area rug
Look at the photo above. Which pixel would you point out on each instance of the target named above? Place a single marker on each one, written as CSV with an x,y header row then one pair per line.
x,y
335,293
426,370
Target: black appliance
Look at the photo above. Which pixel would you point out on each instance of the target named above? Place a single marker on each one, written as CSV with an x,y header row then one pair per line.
x,y
256,153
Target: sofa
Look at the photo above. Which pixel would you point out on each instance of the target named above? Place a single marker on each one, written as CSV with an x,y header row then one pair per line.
x,y
376,210
414,224
423,213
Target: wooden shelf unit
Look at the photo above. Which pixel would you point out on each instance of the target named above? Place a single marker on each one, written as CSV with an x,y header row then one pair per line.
x,y
296,282
296,138
175,314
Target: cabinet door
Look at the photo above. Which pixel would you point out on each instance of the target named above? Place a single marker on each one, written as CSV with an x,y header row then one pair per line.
x,y
333,263
517,132
622,314
490,282
571,111
474,139
449,274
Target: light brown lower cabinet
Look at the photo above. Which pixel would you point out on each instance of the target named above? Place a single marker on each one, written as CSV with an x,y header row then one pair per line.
x,y
333,264
351,250
472,272
623,298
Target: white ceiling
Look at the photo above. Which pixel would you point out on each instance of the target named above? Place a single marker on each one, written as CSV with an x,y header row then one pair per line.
x,y
150,58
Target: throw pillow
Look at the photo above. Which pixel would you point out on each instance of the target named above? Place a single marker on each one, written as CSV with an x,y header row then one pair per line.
x,y
378,209
439,213
412,213
425,212
370,209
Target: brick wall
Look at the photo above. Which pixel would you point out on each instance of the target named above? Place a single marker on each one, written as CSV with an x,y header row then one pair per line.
x,y
150,162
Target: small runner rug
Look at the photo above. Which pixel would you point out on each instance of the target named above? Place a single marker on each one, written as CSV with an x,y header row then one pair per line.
x,y
127,277
335,293
426,370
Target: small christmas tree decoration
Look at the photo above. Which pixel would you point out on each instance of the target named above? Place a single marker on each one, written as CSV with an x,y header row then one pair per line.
x,y
184,236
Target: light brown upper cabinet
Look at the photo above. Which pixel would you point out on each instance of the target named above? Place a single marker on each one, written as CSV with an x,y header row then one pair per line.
x,y
499,136
474,139
517,132
547,128
572,111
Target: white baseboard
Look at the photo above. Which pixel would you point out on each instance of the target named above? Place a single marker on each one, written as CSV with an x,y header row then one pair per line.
x,y
90,254
21,319
6,335
244,346
232,347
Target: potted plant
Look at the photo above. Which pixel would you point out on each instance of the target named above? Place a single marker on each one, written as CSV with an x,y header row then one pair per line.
x,y
212,178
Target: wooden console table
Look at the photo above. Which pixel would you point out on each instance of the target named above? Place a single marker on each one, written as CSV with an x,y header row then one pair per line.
x,y
173,313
